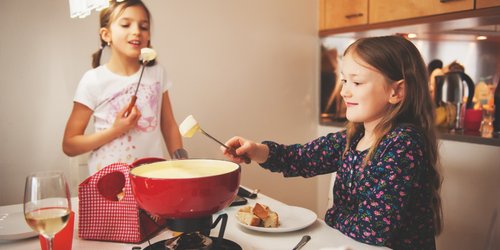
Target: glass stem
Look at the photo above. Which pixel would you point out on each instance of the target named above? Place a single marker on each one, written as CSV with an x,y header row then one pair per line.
x,y
50,241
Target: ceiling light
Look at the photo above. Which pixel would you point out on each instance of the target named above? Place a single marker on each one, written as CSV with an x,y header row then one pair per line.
x,y
412,35
481,38
407,35
82,8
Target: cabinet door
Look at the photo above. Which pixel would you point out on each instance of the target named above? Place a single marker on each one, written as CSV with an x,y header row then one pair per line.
x,y
487,3
390,10
322,14
344,13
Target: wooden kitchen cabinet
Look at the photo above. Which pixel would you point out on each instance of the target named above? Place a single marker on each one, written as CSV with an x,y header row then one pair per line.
x,y
343,13
391,10
487,3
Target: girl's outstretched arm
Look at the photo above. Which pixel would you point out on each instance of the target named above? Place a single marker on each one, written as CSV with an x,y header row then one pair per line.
x,y
169,128
255,151
75,142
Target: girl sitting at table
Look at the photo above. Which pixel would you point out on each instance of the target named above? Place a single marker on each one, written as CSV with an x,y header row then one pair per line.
x,y
387,186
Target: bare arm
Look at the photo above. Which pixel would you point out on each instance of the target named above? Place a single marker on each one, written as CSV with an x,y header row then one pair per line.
x,y
257,152
75,142
169,128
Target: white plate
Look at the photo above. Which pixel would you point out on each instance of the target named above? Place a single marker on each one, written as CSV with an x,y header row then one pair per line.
x,y
13,227
291,219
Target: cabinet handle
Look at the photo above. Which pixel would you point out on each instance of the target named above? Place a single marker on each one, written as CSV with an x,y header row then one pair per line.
x,y
355,15
445,1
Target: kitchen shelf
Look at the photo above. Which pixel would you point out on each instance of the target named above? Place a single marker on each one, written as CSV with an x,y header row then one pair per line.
x,y
467,137
470,137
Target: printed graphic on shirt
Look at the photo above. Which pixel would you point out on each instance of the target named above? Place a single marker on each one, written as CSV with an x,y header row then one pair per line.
x,y
122,149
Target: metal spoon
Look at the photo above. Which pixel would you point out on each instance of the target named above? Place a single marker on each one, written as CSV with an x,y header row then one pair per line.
x,y
302,242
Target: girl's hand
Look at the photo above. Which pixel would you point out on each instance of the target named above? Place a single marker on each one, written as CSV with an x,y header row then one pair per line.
x,y
255,151
76,142
125,123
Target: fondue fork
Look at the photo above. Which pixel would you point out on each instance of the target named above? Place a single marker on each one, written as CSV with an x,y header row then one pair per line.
x,y
133,99
232,151
147,56
189,127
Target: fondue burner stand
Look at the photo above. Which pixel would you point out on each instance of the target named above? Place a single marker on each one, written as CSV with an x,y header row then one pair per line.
x,y
196,235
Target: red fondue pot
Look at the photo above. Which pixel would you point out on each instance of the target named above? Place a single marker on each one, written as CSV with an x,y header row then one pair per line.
x,y
185,189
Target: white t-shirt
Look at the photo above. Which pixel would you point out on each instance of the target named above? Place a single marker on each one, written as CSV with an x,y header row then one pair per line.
x,y
107,93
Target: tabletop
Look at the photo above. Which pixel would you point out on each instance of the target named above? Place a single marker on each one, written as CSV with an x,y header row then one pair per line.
x,y
322,236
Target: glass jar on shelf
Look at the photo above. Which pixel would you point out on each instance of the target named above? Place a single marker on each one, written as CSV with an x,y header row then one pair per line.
x,y
486,128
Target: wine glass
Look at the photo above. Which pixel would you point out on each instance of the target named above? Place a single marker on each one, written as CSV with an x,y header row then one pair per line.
x,y
47,204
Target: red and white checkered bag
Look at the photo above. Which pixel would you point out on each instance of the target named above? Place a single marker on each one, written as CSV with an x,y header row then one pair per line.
x,y
108,210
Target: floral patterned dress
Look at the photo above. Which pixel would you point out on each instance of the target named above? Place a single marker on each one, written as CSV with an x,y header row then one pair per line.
x,y
388,202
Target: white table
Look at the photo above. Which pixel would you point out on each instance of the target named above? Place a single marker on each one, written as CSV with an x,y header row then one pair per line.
x,y
322,236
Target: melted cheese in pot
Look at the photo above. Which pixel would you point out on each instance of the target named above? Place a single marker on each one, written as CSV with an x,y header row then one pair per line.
x,y
184,169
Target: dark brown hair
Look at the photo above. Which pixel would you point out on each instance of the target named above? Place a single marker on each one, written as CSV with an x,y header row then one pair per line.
x,y
398,59
107,16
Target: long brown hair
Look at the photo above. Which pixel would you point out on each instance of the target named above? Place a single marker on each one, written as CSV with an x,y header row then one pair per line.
x,y
107,16
398,59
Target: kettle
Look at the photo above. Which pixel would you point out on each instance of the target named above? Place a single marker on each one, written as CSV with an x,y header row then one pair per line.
x,y
451,88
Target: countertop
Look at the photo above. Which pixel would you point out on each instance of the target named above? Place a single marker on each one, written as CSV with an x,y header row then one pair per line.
x,y
468,137
322,236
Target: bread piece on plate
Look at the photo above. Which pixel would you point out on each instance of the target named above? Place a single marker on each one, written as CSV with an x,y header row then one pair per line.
x,y
246,209
272,220
248,218
261,211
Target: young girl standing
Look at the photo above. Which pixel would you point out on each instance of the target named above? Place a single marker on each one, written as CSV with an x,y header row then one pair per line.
x,y
105,91
387,187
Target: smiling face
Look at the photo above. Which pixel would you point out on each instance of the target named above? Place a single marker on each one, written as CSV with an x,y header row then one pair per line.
x,y
366,91
128,32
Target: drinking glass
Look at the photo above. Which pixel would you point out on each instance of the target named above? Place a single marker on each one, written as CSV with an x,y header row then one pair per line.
x,y
47,203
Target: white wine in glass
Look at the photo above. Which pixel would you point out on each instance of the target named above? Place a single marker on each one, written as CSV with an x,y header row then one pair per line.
x,y
47,203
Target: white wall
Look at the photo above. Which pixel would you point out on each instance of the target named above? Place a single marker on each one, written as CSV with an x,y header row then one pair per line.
x,y
43,53
240,67
470,194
